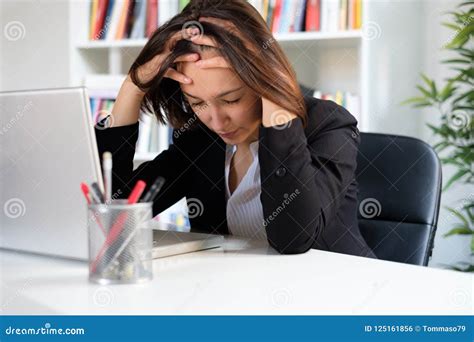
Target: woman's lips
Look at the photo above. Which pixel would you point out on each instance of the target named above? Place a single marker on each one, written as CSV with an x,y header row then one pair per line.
x,y
228,135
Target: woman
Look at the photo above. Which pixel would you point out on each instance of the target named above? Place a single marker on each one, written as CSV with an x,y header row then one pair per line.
x,y
260,160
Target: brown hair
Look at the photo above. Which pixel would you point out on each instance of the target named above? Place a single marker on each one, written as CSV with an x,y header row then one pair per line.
x,y
264,69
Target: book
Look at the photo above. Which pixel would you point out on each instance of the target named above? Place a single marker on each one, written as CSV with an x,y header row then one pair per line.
x,y
152,17
277,16
313,15
166,10
121,28
139,17
346,99
298,24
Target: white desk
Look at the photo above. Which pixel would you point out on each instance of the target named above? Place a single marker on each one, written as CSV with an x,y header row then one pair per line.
x,y
241,278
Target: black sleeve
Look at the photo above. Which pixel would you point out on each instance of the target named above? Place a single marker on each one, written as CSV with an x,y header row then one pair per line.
x,y
305,175
172,164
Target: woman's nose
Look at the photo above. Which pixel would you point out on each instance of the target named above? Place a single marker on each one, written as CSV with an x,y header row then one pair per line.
x,y
219,120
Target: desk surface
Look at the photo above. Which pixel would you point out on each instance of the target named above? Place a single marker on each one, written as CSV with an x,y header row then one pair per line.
x,y
243,277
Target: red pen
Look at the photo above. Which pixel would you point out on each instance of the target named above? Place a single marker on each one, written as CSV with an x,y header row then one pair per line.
x,y
136,192
85,191
118,225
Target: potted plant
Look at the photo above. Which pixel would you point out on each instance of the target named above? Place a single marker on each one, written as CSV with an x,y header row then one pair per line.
x,y
454,102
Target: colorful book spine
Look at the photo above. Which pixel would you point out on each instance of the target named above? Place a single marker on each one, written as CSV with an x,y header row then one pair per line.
x,y
312,15
348,100
152,18
138,19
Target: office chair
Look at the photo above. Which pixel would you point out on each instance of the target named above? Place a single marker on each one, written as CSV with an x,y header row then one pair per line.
x,y
399,194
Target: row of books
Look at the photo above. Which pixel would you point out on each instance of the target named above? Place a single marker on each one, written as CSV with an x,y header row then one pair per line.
x,y
100,108
129,19
136,19
346,99
284,16
153,137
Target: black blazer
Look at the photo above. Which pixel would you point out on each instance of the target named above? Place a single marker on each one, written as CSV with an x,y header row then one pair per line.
x,y
309,192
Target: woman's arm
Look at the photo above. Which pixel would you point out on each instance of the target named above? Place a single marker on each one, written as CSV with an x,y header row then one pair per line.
x,y
172,164
305,175
121,137
126,108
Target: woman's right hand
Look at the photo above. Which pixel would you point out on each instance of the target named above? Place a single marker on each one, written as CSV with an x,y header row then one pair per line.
x,y
149,70
126,110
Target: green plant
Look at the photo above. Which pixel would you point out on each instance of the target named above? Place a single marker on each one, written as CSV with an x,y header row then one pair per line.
x,y
455,102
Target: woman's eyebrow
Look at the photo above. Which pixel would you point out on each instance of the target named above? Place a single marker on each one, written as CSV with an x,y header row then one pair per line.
x,y
218,95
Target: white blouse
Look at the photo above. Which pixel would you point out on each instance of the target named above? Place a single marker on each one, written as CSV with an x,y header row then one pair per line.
x,y
244,208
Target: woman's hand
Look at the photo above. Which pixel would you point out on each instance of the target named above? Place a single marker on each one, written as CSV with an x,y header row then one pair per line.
x,y
149,70
229,27
272,114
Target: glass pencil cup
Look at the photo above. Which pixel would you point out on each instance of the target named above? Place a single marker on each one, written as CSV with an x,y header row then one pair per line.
x,y
120,242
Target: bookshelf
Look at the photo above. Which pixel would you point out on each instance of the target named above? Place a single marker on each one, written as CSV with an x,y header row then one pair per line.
x,y
354,61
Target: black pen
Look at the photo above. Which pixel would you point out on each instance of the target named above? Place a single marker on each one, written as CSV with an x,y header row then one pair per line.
x,y
97,193
155,188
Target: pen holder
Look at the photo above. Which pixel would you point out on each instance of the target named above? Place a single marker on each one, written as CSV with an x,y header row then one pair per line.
x,y
120,242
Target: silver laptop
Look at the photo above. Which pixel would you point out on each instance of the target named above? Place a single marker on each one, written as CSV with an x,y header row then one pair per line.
x,y
47,148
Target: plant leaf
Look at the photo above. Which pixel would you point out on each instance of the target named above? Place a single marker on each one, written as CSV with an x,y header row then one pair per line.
x,y
413,100
458,215
455,177
458,231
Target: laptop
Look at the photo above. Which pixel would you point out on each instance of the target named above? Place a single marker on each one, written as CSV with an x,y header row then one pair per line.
x,y
47,148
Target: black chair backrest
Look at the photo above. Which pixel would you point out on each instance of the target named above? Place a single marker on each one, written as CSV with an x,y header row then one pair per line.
x,y
399,194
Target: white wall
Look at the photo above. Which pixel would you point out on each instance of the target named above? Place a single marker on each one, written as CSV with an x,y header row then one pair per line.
x,y
451,250
395,33
34,46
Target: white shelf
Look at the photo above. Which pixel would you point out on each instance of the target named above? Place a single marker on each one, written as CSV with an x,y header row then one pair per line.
x,y
293,37
107,44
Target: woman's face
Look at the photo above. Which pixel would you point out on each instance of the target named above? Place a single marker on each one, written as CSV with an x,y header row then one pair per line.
x,y
222,102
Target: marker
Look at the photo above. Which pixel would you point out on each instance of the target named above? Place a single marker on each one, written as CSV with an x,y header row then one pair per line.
x,y
154,190
87,194
107,169
96,193
85,191
136,192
